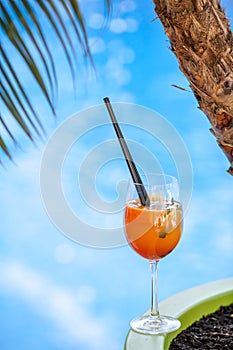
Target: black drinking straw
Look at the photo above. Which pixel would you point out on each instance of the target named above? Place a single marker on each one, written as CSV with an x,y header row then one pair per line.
x,y
144,198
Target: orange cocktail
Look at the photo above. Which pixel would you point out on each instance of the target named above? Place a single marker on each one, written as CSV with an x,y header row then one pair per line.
x,y
154,231
153,221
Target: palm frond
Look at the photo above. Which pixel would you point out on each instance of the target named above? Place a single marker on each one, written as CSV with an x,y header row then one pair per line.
x,y
4,147
16,81
18,99
25,25
13,108
32,16
23,30
44,6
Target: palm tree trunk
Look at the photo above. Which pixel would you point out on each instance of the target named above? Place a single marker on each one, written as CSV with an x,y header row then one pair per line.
x,y
201,38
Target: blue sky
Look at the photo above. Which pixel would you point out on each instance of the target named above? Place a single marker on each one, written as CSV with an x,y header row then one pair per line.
x,y
57,294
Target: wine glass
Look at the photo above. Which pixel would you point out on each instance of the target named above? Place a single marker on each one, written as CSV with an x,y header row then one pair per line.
x,y
153,231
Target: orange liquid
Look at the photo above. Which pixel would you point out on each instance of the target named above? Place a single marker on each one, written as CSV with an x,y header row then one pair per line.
x,y
153,233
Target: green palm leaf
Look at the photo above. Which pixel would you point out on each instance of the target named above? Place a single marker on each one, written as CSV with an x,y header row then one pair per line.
x,y
27,17
17,97
4,147
15,38
12,107
21,89
37,25
25,25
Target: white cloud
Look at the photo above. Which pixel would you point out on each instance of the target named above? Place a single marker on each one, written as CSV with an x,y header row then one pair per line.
x,y
127,6
64,253
117,72
96,21
132,25
126,55
86,294
223,242
115,45
97,45
125,96
69,312
118,25
208,220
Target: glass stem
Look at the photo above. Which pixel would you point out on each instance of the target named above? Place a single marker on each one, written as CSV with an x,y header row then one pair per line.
x,y
154,288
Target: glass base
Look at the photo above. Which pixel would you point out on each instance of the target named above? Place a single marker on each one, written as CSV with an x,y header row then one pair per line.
x,y
155,324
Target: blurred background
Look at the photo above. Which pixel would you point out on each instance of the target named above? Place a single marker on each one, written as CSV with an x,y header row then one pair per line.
x,y
58,294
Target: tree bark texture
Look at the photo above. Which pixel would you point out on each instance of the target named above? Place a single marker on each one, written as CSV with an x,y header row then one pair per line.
x,y
202,40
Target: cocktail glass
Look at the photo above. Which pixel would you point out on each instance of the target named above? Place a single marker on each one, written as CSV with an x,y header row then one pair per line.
x,y
153,231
